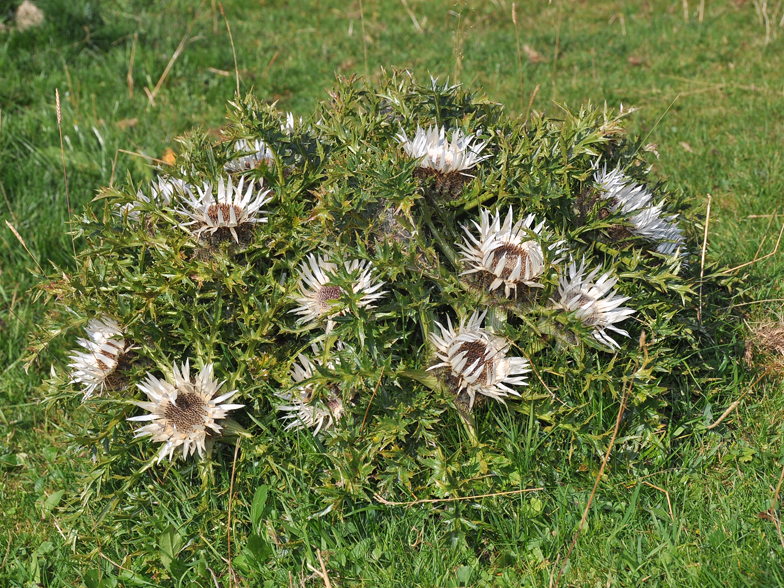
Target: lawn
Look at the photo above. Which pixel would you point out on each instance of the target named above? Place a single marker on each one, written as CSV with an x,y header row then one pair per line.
x,y
133,76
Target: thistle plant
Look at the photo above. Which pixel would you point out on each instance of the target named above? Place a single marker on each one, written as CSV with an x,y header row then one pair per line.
x,y
380,326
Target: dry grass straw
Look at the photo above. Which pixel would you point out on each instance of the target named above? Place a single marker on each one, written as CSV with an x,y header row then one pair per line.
x,y
386,502
152,94
129,75
65,173
702,258
519,57
232,575
364,38
413,17
233,50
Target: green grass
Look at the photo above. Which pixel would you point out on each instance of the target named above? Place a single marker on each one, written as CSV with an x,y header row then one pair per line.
x,y
720,86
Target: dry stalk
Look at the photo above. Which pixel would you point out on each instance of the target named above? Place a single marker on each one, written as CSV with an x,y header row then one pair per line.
x,y
232,576
386,502
667,494
155,159
62,153
412,16
324,575
702,258
129,76
531,102
367,410
364,39
151,95
756,259
519,58
621,410
19,238
233,51
735,404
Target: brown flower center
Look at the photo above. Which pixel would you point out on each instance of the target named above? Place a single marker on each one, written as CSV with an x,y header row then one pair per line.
x,y
225,210
114,356
189,411
475,350
327,294
514,253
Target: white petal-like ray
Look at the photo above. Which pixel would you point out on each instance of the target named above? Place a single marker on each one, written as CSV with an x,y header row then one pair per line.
x,y
104,346
593,301
317,297
647,219
509,253
438,153
300,408
234,205
255,153
181,411
477,358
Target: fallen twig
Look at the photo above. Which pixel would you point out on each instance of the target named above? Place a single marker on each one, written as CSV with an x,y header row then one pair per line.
x,y
667,494
756,259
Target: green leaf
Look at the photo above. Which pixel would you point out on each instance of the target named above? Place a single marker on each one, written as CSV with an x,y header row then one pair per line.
x,y
51,502
258,548
258,504
169,543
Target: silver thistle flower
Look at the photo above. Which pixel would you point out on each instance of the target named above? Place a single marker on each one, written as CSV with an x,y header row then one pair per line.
x,y
593,302
105,346
255,153
231,209
183,413
437,153
477,358
301,408
318,295
635,202
163,191
507,254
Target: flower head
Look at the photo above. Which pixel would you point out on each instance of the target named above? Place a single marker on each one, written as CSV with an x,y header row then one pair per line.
x,y
183,413
254,154
105,346
318,295
301,408
477,358
226,213
506,254
290,125
437,153
595,303
646,219
163,190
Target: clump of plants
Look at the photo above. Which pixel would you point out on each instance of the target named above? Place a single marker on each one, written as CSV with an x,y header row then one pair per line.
x,y
400,295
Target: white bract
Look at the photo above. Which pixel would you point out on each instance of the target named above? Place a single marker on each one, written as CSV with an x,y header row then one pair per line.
x,y
593,302
254,154
163,191
105,345
477,358
317,294
507,254
301,408
635,201
232,207
183,413
439,154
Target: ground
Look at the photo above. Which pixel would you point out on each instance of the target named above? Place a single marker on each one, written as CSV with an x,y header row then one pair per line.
x,y
706,79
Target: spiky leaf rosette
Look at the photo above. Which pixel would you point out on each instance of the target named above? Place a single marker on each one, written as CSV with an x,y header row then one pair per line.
x,y
358,249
